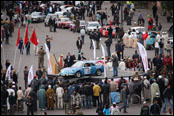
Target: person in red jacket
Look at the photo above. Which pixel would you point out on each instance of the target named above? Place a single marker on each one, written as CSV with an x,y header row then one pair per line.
x,y
150,23
168,62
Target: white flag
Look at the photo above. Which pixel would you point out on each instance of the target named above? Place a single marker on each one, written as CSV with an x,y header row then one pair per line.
x,y
143,54
30,75
8,73
94,46
103,52
49,61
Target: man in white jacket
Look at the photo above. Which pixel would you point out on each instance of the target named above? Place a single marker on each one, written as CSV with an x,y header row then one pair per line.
x,y
59,92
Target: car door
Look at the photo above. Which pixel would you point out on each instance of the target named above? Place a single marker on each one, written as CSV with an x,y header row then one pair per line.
x,y
93,68
87,68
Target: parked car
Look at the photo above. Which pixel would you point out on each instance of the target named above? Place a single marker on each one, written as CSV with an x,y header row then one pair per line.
x,y
92,25
82,68
82,25
63,23
104,31
37,16
139,29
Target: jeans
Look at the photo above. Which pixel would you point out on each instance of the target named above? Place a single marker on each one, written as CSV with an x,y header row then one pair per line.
x,y
105,99
156,51
124,105
28,51
109,52
83,101
110,37
166,100
79,50
118,54
115,71
66,106
96,98
91,46
89,101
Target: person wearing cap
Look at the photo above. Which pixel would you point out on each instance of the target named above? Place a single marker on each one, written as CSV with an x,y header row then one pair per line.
x,y
158,98
41,54
154,89
145,109
160,82
146,88
34,84
50,97
114,109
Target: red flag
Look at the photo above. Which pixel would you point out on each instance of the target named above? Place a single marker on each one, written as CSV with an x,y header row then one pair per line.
x,y
26,35
17,43
33,38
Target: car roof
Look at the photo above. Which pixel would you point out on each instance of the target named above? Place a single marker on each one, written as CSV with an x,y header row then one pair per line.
x,y
88,61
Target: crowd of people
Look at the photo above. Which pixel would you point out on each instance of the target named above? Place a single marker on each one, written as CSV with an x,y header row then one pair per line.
x,y
108,97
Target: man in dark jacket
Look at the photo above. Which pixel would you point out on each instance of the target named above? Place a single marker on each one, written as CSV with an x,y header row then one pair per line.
x,y
27,46
108,46
89,93
68,60
167,98
160,82
145,109
39,73
12,102
155,108
106,91
83,96
114,64
123,97
158,98
118,49
110,33
79,45
66,100
21,46
30,104
51,23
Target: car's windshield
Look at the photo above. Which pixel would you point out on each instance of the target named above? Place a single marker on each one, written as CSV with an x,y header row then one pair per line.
x,y
82,23
36,13
65,20
77,65
93,25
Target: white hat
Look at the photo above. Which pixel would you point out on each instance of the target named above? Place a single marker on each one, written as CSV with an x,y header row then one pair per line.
x,y
144,102
49,86
157,94
13,86
114,103
145,77
13,82
160,76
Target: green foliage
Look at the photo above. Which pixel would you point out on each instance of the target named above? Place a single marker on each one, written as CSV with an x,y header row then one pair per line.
x,y
167,5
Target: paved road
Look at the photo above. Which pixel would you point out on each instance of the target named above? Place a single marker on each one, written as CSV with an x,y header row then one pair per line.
x,y
64,42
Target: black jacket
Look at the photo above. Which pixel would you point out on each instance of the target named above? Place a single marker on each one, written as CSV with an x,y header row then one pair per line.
x,y
145,110
79,45
89,90
167,93
12,100
66,97
106,88
118,47
159,101
108,43
155,109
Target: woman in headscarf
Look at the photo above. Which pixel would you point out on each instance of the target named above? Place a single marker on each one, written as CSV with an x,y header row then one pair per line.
x,y
42,97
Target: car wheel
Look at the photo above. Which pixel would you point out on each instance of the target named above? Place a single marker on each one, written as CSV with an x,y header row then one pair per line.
x,y
98,72
78,74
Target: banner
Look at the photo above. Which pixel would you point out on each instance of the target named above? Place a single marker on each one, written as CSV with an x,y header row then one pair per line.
x,y
94,46
30,75
33,38
8,73
103,52
49,61
26,35
143,54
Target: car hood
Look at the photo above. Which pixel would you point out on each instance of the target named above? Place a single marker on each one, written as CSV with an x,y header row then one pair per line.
x,y
67,70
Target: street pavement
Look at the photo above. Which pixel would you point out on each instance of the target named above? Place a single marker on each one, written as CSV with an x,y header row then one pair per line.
x,y
64,41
